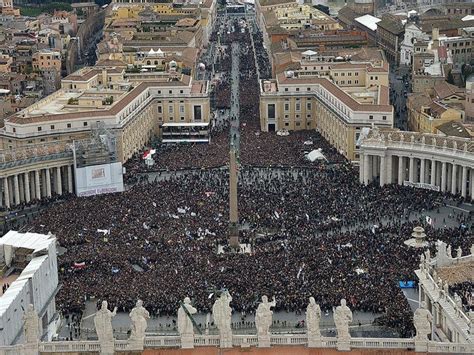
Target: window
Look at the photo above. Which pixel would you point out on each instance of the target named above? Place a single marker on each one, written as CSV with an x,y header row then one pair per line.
x,y
170,109
349,74
356,81
356,73
52,126
85,124
271,111
298,106
170,91
160,109
39,129
286,89
159,91
297,124
181,91
30,142
181,109
68,125
287,124
371,78
371,117
308,106
384,118
287,117
182,118
171,118
197,113
335,74
14,129
297,89
308,89
287,107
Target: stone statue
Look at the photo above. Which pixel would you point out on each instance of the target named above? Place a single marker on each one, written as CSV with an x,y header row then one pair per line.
x,y
31,325
412,139
455,145
185,325
422,321
449,252
222,314
139,316
446,288
313,317
422,262
423,140
445,144
433,141
263,316
342,318
458,252
472,249
389,137
458,301
103,325
428,255
465,147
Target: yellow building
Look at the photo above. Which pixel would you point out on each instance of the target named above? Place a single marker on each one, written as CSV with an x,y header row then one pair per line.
x,y
295,103
46,59
424,114
132,105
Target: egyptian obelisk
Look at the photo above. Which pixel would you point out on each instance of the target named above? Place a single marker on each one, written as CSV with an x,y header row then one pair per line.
x,y
233,213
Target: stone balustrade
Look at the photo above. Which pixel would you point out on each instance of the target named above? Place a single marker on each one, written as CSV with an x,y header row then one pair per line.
x,y
156,342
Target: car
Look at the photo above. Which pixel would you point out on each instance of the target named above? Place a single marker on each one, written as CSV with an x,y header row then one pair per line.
x,y
406,83
399,77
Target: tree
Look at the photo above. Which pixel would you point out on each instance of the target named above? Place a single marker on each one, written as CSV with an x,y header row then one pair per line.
x,y
450,77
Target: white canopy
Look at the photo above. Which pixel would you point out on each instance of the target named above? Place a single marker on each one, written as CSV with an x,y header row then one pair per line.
x,y
309,52
316,154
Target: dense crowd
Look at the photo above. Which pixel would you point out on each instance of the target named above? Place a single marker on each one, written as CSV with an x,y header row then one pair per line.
x,y
465,290
162,238
313,229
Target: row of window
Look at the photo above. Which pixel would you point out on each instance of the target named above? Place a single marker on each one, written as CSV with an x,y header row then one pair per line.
x,y
52,127
348,74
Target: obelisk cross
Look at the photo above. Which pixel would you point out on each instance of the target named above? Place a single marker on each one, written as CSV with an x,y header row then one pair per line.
x,y
233,213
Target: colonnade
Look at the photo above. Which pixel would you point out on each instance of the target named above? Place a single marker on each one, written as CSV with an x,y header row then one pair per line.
x,y
445,175
23,187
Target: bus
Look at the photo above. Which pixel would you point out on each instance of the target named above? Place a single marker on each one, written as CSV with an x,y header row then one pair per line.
x,y
186,132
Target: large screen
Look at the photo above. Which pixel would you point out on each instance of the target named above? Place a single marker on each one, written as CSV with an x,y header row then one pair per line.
x,y
99,179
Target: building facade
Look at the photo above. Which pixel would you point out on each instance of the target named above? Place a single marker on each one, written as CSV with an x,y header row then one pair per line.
x,y
428,161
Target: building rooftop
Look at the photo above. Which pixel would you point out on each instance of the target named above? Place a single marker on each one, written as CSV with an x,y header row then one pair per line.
x,y
368,21
455,129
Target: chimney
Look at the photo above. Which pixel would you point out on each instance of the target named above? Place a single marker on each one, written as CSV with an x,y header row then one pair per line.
x,y
435,37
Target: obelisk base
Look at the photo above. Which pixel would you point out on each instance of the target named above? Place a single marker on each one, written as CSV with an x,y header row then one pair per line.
x,y
234,236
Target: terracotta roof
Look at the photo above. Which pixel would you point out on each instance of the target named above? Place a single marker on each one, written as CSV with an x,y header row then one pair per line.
x,y
443,89
454,128
336,91
115,109
391,24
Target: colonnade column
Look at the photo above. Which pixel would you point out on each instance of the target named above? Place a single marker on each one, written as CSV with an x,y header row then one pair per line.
x,y
443,176
400,170
422,170
59,188
433,172
464,181
361,168
383,170
17,189
48,183
37,184
412,170
454,180
26,186
389,175
7,192
69,179
472,184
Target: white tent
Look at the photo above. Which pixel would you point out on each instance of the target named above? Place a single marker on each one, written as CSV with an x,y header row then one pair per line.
x,y
309,53
316,154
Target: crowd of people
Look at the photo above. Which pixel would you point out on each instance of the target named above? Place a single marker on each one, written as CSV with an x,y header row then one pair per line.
x,y
311,232
313,229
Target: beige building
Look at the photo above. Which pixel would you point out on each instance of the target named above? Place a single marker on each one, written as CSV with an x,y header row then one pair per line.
x,y
134,106
296,103
46,59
